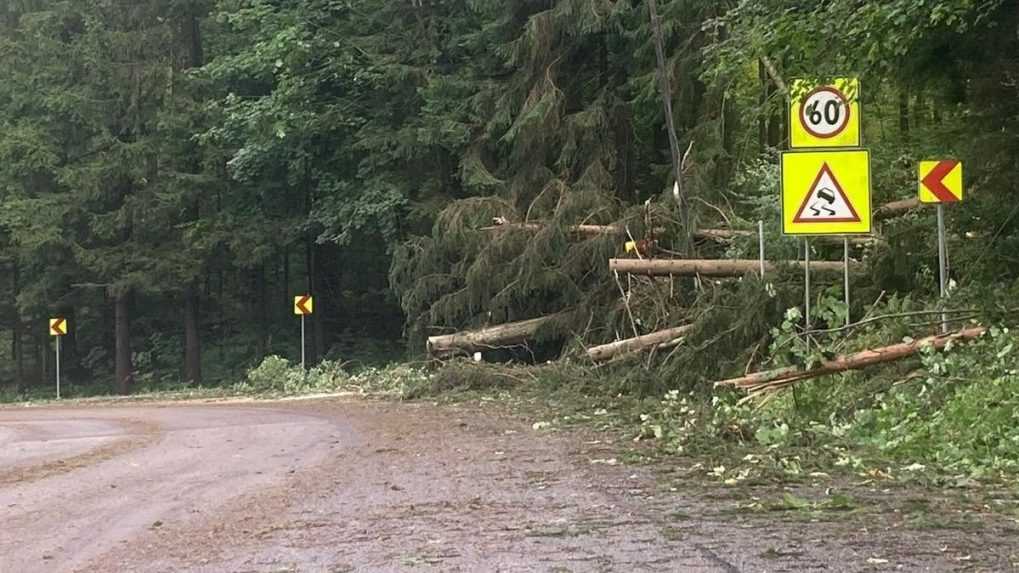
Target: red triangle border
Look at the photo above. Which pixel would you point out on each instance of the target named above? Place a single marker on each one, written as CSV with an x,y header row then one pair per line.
x,y
838,187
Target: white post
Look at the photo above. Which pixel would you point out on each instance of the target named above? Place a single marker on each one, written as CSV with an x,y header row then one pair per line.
x,y
303,345
760,248
942,263
806,281
846,271
58,367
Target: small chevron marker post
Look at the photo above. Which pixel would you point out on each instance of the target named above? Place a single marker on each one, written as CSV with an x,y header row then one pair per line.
x,y
940,183
303,306
58,329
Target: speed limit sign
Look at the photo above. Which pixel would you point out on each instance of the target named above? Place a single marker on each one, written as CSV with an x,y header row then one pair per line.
x,y
825,115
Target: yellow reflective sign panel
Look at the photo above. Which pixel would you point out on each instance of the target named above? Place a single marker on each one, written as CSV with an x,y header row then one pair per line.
x,y
826,193
941,181
304,304
58,327
824,115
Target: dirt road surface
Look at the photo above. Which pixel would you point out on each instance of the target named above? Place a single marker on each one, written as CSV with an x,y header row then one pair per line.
x,y
349,485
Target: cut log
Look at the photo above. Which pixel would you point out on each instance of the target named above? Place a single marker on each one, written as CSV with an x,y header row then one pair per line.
x,y
725,235
648,341
896,208
721,235
586,230
717,235
500,336
595,230
712,268
589,230
770,378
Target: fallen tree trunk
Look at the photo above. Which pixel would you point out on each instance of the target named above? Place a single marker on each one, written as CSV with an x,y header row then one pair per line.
x,y
709,267
596,230
723,235
717,235
587,230
648,341
500,336
781,376
896,208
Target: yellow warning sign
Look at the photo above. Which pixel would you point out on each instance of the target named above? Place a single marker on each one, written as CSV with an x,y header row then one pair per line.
x,y
824,115
58,327
304,304
941,181
826,193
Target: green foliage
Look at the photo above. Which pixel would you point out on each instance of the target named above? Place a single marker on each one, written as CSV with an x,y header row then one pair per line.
x,y
277,376
276,373
954,417
961,416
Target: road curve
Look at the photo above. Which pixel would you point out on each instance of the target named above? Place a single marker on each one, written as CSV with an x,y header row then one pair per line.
x,y
340,485
77,483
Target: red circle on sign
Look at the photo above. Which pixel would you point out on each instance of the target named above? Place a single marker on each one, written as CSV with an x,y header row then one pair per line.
x,y
803,109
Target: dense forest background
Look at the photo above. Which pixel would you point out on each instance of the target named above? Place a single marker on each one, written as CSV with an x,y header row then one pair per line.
x,y
173,172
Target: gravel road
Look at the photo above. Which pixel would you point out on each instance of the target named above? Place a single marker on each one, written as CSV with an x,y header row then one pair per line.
x,y
349,485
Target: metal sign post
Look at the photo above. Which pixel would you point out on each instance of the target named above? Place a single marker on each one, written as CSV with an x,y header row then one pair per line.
x,y
942,263
58,368
806,282
58,329
303,344
760,249
303,306
846,271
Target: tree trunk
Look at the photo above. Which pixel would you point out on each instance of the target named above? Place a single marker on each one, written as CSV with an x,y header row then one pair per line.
x,y
501,336
42,354
764,380
192,338
721,235
711,268
665,84
17,342
762,107
221,319
896,208
700,234
318,319
774,118
124,368
70,363
904,113
262,312
648,341
586,230
309,288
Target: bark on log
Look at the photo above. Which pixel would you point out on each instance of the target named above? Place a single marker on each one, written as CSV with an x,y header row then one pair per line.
x,y
595,230
124,368
608,351
500,336
587,230
896,208
192,337
710,268
851,362
722,235
718,235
